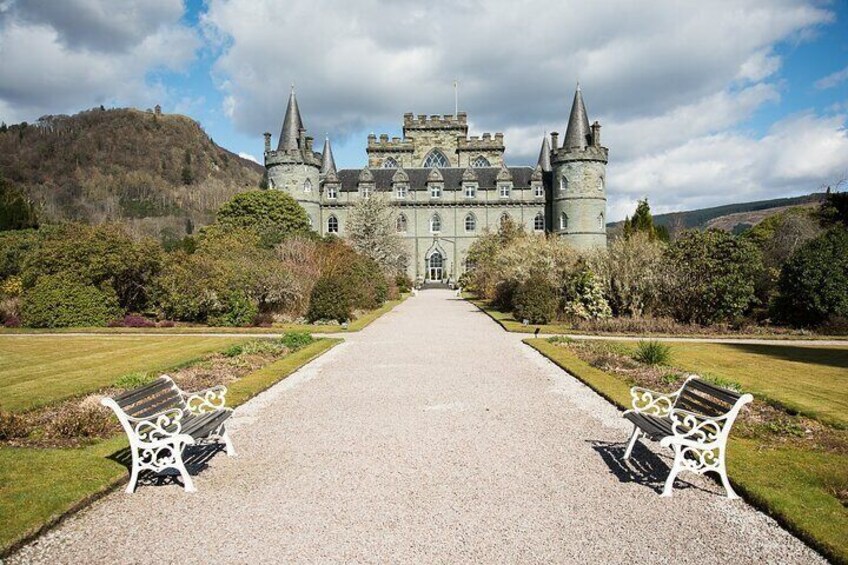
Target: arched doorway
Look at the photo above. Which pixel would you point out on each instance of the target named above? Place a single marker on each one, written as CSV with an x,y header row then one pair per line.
x,y
435,266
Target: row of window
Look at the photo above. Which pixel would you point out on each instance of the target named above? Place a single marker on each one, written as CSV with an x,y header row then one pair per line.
x,y
402,191
436,160
436,223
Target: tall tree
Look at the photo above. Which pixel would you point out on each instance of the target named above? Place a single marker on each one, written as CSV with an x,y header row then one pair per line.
x,y
372,231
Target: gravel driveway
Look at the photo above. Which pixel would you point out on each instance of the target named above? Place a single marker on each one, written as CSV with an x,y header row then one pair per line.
x,y
430,436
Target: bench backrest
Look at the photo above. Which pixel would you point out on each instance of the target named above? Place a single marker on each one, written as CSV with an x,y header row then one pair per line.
x,y
143,402
706,398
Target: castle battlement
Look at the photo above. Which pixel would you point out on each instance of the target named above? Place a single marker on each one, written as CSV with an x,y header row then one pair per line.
x,y
435,121
485,143
396,144
588,153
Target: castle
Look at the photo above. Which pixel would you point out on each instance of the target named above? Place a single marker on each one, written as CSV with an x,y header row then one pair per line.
x,y
447,188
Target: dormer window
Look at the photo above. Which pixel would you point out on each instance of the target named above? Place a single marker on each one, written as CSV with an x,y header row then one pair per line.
x,y
470,190
332,192
436,160
401,190
504,190
365,190
539,191
435,191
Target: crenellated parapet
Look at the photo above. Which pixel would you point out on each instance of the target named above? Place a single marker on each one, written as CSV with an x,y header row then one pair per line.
x,y
435,121
589,153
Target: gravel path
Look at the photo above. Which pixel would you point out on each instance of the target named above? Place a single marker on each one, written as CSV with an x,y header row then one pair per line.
x,y
430,436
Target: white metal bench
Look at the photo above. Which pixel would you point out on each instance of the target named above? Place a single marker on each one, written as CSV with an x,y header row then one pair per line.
x,y
695,421
160,419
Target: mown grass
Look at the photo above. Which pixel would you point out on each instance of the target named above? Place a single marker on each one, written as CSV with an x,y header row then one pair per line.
x,y
795,486
38,486
35,371
358,324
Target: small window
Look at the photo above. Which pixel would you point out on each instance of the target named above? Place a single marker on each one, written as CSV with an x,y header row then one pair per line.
x,y
563,183
401,224
435,224
365,191
436,160
539,191
390,163
601,224
470,223
504,188
563,221
601,183
470,190
401,190
539,222
435,191
479,162
332,225
307,185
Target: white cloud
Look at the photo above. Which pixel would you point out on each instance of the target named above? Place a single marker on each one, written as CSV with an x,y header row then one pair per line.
x,y
47,66
833,79
248,156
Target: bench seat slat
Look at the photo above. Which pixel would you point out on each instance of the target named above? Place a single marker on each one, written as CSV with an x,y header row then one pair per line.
x,y
133,396
200,426
700,404
152,405
654,427
722,394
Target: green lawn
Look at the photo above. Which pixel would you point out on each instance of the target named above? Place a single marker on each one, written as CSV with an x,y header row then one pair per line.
x,y
801,493
37,370
37,486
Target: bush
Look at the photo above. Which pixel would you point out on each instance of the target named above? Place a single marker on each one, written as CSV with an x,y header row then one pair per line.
x,y
710,276
813,284
58,301
535,300
403,283
652,353
236,310
584,297
296,340
330,300
134,380
631,271
272,214
14,247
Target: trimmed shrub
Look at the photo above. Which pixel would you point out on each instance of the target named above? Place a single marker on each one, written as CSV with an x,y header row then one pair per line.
x,y
403,282
272,214
652,353
813,284
535,300
296,340
330,300
237,309
58,301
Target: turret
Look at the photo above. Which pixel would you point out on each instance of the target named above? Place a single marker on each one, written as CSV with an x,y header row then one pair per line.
x,y
293,167
578,191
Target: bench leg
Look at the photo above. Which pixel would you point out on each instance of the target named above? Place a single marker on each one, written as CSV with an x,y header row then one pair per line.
x,y
228,443
188,484
725,482
133,477
676,467
632,442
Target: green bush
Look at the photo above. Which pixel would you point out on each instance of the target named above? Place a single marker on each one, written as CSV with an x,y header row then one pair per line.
x,y
710,277
134,380
535,300
403,282
60,301
330,300
296,340
652,353
366,284
236,310
233,351
14,247
813,284
271,214
584,297
504,291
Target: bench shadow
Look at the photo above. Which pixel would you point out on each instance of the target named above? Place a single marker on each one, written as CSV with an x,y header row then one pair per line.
x,y
195,457
644,466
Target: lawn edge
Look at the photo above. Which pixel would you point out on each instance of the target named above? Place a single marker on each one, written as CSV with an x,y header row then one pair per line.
x,y
759,502
302,358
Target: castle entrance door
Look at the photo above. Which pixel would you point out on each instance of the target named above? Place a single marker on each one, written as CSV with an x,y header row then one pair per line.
x,y
435,266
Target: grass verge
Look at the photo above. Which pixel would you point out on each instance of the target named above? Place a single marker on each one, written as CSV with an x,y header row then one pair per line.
x,y
799,496
39,487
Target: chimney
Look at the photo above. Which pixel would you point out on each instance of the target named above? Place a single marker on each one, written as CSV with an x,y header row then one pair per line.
x,y
554,140
596,134
267,141
308,143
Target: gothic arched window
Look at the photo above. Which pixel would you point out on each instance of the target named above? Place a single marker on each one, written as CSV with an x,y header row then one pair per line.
x,y
332,225
539,222
480,161
563,221
307,185
563,183
470,223
390,163
436,159
601,224
435,224
401,224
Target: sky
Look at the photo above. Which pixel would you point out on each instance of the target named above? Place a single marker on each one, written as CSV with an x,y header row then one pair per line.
x,y
702,103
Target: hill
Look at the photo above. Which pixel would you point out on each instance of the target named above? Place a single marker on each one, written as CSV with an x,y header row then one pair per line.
x,y
732,217
160,174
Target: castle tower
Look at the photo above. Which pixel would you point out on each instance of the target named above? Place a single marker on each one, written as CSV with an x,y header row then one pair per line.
x,y
294,167
578,191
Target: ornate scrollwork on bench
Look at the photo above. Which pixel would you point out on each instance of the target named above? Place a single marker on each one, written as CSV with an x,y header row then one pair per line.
x,y
208,400
647,401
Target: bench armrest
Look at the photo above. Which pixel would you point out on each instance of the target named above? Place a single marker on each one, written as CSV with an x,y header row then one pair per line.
x,y
164,425
650,402
693,429
203,401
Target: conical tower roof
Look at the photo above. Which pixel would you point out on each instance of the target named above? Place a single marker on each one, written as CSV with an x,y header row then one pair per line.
x,y
545,155
577,134
327,162
292,124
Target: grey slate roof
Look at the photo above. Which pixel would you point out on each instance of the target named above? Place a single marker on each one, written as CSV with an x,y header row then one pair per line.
x,y
577,134
292,124
418,177
545,155
327,162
